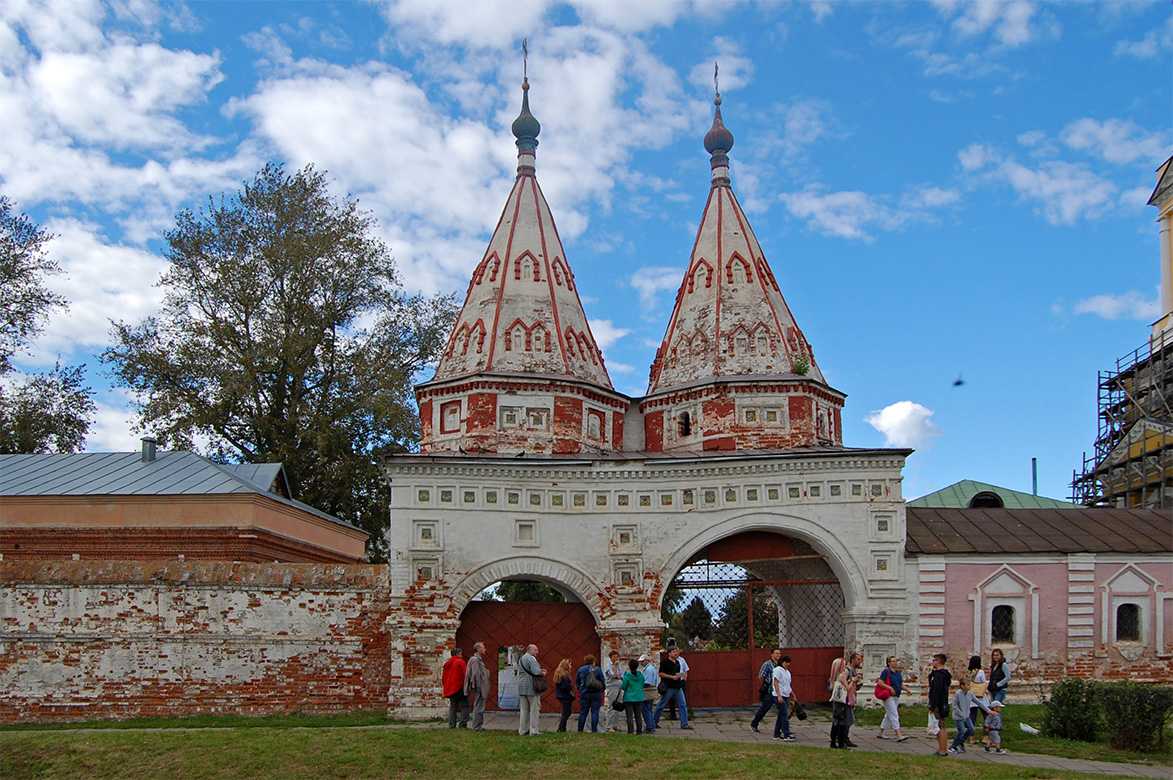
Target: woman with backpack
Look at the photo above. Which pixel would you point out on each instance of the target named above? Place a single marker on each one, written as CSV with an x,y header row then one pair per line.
x,y
591,684
889,686
563,691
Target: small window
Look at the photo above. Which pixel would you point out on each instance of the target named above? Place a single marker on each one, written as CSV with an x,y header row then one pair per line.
x,y
1128,623
684,424
600,499
595,425
665,499
450,417
771,415
525,532
816,491
424,572
645,500
751,494
470,496
689,497
881,564
710,496
856,489
877,490
986,500
535,499
490,496
624,499
445,496
557,500
510,416
513,498
730,495
538,419
793,492
751,415
836,490
772,494
625,538
1002,624
427,533
882,525
578,499
423,496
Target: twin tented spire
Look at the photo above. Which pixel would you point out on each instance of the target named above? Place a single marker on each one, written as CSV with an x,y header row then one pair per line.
x,y
522,314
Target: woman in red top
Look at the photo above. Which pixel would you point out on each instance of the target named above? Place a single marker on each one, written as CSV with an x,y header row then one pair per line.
x,y
452,681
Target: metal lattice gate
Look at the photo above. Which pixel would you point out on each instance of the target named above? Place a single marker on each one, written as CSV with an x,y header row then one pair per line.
x,y
727,616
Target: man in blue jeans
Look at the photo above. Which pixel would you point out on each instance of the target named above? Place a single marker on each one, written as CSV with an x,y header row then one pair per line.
x,y
782,693
671,677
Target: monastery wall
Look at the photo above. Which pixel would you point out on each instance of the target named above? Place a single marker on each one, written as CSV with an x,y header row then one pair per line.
x,y
86,640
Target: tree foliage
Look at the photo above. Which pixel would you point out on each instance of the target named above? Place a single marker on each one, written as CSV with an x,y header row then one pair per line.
x,y
39,412
696,620
285,335
518,590
732,628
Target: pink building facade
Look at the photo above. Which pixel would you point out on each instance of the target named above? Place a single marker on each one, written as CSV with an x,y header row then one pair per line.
x,y
1104,611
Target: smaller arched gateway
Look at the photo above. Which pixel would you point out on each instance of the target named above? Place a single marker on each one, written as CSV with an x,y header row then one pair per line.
x,y
549,604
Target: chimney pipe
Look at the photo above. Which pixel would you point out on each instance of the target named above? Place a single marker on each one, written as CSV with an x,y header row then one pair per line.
x,y
149,443
1034,476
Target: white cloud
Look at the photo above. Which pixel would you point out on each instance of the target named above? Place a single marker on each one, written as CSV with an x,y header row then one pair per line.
x,y
1131,305
482,23
821,9
1008,21
736,70
1062,192
1151,45
101,281
650,281
1118,141
904,424
858,215
606,333
113,430
437,179
91,117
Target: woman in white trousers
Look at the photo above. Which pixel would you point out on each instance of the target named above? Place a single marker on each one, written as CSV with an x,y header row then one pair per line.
x,y
893,681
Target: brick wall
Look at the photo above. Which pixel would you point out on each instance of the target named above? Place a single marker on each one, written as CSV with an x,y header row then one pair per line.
x,y
117,639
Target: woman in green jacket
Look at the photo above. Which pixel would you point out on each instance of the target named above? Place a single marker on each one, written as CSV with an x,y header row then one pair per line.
x,y
633,697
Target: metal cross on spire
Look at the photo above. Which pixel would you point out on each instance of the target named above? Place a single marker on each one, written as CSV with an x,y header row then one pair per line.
x,y
716,83
525,59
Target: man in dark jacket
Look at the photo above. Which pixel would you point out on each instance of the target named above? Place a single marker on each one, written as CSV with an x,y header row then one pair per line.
x,y
939,682
765,691
591,683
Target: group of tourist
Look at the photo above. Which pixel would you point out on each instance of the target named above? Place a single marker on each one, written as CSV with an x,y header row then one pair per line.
x,y
976,693
643,689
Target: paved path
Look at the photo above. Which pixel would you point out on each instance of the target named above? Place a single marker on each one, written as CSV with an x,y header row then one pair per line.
x,y
734,727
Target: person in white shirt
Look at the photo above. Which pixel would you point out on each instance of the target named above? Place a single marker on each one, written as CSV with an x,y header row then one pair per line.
x,y
782,693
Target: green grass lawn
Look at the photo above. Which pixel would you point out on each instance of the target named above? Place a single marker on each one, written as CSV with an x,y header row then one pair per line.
x,y
262,752
914,719
359,718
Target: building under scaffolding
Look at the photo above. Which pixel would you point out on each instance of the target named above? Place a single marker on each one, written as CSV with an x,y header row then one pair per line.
x,y
1132,463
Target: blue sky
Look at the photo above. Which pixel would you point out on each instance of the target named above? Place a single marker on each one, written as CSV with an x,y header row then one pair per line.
x,y
940,188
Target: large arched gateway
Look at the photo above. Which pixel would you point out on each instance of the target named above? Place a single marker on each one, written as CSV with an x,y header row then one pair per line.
x,y
728,480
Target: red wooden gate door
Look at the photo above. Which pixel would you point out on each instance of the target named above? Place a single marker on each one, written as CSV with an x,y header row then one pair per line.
x,y
559,630
729,678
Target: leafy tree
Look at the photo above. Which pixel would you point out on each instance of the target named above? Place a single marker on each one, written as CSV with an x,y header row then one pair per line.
x,y
285,335
696,620
42,412
732,628
517,590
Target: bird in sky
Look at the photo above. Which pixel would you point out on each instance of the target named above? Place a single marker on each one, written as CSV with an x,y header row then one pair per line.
x,y
958,382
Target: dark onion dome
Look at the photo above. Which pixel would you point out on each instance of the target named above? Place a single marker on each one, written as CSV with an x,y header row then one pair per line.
x,y
526,127
718,140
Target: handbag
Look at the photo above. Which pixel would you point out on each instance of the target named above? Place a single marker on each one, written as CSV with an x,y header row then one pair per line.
x,y
798,709
593,683
617,703
839,693
541,684
882,691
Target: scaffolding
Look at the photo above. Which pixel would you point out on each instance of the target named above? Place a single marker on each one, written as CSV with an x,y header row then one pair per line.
x,y
1131,465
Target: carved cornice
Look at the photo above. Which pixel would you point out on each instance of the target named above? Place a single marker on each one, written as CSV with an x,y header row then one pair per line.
x,y
603,471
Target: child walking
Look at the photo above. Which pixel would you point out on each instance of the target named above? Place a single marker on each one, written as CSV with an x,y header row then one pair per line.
x,y
962,701
994,727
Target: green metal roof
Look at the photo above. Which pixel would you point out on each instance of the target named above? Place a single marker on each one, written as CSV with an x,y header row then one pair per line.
x,y
959,494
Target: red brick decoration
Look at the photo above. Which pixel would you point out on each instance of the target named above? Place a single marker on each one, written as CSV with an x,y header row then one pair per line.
x,y
91,640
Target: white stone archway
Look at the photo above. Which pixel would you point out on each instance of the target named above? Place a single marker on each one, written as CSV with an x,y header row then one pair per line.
x,y
838,557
